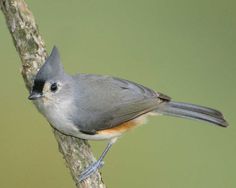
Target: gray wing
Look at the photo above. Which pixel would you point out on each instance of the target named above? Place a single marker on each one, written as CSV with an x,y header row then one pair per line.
x,y
104,102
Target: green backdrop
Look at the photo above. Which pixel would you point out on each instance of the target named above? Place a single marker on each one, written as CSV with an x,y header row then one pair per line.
x,y
186,49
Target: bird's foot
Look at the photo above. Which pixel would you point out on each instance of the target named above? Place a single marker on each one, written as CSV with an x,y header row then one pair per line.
x,y
91,169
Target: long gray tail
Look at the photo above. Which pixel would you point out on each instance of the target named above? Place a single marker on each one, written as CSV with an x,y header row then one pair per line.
x,y
192,111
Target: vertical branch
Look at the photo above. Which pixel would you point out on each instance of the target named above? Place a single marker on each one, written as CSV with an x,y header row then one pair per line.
x,y
31,48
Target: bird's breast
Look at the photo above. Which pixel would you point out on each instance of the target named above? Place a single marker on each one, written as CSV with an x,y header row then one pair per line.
x,y
58,115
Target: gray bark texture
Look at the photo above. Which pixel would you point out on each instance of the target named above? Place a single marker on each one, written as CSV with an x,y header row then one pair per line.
x,y
31,48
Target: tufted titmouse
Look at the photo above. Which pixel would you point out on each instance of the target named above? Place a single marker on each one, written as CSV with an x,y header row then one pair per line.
x,y
99,107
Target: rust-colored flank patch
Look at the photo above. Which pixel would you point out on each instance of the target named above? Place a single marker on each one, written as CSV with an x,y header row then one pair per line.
x,y
120,128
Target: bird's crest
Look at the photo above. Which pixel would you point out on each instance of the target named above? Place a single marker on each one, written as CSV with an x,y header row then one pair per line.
x,y
52,67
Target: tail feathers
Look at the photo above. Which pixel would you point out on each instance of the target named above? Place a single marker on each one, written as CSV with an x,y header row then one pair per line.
x,y
191,111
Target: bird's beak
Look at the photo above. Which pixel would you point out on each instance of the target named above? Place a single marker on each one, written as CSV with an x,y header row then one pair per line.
x,y
34,96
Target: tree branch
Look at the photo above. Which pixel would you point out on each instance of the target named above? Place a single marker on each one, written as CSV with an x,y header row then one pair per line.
x,y
31,48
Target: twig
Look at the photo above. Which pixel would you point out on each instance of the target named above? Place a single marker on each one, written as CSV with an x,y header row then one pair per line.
x,y
31,48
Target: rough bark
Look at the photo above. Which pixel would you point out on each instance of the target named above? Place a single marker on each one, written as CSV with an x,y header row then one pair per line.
x,y
31,48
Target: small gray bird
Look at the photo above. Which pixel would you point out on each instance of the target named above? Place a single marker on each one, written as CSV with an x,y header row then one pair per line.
x,y
100,107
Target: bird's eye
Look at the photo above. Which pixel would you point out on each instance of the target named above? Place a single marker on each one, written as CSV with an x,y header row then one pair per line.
x,y
54,87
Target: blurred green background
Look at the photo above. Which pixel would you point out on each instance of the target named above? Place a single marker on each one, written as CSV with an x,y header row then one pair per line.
x,y
186,49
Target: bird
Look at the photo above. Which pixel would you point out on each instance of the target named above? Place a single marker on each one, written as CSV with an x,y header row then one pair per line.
x,y
103,107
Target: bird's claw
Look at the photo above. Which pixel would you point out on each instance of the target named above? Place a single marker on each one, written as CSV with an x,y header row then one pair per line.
x,y
90,170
